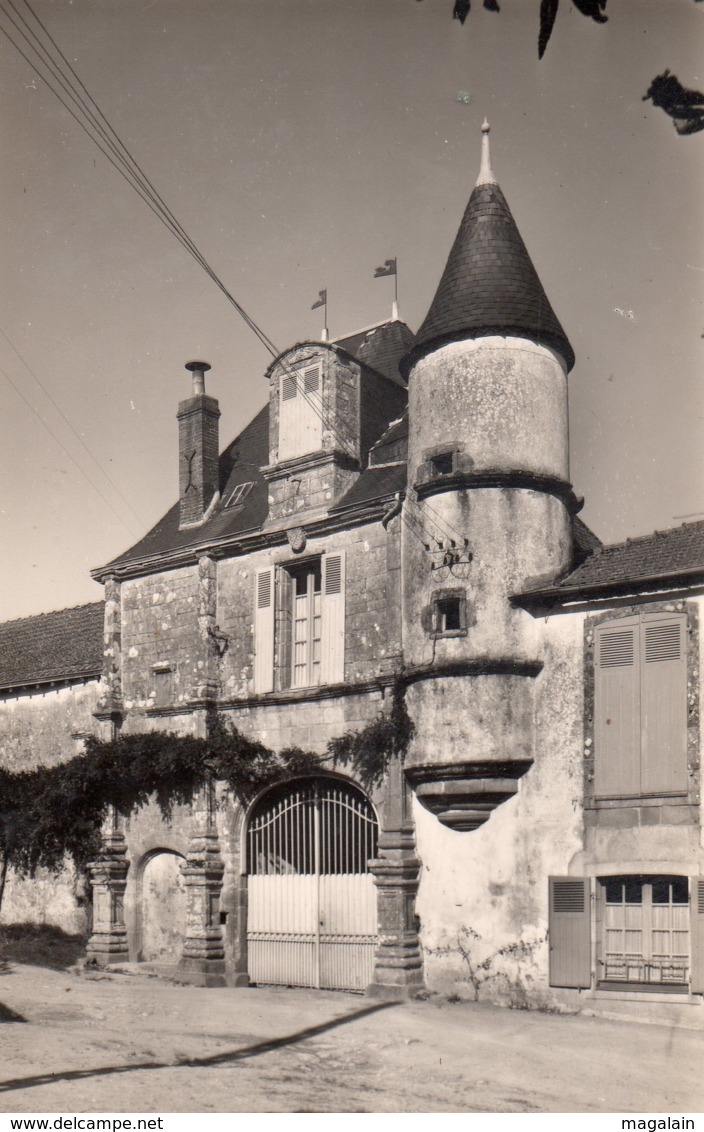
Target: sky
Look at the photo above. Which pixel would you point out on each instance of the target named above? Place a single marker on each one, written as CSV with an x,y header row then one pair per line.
x,y
301,143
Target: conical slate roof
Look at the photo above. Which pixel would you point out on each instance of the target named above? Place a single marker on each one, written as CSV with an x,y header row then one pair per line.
x,y
489,285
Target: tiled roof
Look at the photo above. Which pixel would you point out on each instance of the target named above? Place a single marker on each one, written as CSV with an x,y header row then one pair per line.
x,y
489,285
374,483
585,541
669,554
52,647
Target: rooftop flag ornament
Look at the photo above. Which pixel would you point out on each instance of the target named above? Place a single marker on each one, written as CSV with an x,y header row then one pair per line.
x,y
389,267
323,302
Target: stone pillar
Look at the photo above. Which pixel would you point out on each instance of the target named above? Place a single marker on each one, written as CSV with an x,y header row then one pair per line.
x,y
110,702
210,642
203,958
108,875
398,964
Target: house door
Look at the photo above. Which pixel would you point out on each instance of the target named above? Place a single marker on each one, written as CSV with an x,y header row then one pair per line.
x,y
312,918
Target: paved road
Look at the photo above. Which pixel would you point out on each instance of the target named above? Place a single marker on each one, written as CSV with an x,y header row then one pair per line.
x,y
131,1043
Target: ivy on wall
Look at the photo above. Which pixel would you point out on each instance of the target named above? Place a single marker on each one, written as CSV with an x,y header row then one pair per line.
x,y
51,813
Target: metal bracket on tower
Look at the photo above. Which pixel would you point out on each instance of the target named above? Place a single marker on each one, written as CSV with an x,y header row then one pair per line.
x,y
450,557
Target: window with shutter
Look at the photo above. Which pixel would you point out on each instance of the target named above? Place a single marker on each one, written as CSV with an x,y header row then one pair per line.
x,y
570,932
697,927
264,630
306,636
640,706
663,705
646,936
300,412
617,710
333,636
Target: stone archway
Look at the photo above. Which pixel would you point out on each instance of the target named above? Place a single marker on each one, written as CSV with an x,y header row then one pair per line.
x,y
161,907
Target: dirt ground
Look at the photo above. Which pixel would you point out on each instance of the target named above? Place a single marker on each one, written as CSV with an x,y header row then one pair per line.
x,y
129,1042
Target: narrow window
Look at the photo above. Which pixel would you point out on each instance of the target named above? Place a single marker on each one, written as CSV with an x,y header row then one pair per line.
x,y
443,464
449,615
163,685
306,598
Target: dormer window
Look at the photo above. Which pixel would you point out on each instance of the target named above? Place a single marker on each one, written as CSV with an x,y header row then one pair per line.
x,y
300,411
238,495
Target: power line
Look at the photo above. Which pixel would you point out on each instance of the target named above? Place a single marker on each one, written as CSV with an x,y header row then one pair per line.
x,y
64,449
120,157
77,435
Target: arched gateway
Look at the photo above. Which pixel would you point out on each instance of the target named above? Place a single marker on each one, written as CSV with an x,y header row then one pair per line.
x,y
312,915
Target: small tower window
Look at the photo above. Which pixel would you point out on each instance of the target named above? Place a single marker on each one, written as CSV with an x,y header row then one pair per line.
x,y
443,464
449,615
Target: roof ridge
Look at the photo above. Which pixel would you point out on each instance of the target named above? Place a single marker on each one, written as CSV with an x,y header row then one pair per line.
x,y
53,612
364,329
657,533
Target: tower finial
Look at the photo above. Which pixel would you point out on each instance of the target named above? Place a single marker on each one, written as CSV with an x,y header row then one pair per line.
x,y
486,177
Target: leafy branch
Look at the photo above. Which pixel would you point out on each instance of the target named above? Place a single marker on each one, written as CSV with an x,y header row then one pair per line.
x,y
51,813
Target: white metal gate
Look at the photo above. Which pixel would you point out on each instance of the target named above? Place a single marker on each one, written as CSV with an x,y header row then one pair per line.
x,y
312,919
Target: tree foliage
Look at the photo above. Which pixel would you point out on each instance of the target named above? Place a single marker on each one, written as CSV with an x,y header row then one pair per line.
x,y
51,813
683,105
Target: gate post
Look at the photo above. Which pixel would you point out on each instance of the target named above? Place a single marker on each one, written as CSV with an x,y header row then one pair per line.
x,y
108,877
398,963
203,958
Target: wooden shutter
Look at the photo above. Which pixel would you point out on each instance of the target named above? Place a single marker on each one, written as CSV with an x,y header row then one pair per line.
x,y
300,412
284,628
311,410
663,704
696,921
264,630
569,935
332,641
617,709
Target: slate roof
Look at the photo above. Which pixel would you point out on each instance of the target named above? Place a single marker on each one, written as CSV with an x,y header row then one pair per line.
x,y
52,647
675,553
379,347
392,446
489,285
241,462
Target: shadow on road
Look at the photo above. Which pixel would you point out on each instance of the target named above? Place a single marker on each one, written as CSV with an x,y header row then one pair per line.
x,y
39,945
7,1015
194,1062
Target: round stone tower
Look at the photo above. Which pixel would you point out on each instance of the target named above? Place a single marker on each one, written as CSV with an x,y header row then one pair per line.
x,y
488,511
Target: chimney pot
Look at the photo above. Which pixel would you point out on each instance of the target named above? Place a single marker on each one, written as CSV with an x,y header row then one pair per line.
x,y
199,370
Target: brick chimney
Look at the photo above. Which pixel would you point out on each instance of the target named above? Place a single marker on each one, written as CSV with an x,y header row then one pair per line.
x,y
198,449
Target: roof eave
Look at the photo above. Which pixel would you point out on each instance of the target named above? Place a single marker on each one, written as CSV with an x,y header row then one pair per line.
x,y
556,597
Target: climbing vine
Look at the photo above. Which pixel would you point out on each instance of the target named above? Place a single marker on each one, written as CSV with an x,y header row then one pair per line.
x,y
51,813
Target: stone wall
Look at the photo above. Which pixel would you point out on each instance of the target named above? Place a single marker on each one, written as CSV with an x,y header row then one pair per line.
x,y
161,660
47,728
483,898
